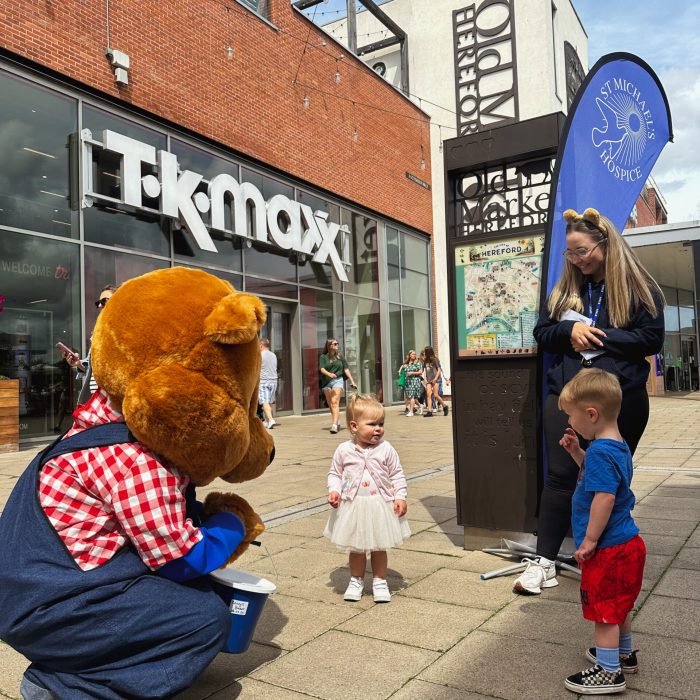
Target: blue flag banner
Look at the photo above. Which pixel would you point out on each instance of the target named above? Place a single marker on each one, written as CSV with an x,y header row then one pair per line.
x,y
616,128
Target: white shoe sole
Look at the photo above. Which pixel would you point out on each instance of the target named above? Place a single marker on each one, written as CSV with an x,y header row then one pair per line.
x,y
519,588
593,690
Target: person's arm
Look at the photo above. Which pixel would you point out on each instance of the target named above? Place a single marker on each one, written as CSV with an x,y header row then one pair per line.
x,y
552,336
151,511
601,507
221,534
571,444
643,337
398,480
323,367
335,478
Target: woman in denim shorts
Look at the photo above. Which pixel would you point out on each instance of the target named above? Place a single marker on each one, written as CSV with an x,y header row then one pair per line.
x,y
333,369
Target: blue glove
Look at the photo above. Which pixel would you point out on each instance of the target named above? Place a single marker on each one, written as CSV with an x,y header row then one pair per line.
x,y
223,532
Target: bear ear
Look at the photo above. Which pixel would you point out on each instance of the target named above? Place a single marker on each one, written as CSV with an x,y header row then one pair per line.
x,y
571,216
235,320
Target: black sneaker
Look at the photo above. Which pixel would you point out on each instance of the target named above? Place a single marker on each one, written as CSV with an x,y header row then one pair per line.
x,y
445,410
596,681
628,662
429,414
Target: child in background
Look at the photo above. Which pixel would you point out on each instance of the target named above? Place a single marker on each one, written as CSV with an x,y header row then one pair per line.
x,y
609,550
367,490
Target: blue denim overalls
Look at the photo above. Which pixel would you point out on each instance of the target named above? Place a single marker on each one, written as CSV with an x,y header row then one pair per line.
x,y
117,631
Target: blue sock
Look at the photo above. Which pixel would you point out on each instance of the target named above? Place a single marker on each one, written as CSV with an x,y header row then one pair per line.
x,y
609,659
626,643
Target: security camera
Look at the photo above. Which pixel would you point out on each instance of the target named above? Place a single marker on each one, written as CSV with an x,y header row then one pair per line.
x,y
119,59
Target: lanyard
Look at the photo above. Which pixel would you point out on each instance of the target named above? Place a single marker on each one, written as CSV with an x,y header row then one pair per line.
x,y
594,316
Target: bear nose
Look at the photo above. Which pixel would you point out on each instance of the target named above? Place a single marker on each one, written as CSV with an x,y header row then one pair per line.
x,y
272,455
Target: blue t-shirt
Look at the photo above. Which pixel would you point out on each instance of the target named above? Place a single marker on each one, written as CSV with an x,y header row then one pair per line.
x,y
608,468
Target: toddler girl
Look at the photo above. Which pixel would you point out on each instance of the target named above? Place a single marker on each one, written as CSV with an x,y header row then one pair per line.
x,y
367,489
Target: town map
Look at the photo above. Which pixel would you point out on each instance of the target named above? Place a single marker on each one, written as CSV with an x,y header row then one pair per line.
x,y
500,296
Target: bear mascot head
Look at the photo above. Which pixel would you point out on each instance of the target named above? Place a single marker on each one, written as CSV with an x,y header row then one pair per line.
x,y
177,351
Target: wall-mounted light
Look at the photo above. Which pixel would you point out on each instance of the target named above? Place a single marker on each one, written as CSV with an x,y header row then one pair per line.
x,y
120,64
337,69
229,52
355,135
306,101
422,157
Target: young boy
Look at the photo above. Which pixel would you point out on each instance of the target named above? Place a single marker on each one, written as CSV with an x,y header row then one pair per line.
x,y
609,550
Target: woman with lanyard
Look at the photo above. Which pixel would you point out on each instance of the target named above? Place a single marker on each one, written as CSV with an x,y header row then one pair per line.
x,y
605,311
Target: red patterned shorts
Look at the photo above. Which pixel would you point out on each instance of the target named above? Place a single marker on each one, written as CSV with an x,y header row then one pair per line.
x,y
611,580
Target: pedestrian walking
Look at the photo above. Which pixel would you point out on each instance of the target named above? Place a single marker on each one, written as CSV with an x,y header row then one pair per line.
x,y
432,376
334,369
413,385
267,388
367,490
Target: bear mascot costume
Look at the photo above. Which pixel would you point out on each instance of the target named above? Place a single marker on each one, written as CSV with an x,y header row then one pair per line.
x,y
104,549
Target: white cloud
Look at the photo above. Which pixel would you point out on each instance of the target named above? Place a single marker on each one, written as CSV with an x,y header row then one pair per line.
x,y
663,35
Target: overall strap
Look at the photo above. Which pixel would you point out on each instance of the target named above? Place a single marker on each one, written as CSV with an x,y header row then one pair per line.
x,y
97,436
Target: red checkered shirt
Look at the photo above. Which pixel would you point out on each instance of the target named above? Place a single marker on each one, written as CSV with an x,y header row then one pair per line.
x,y
100,498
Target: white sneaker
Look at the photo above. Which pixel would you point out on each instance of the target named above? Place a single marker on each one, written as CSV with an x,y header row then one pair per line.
x,y
266,424
410,413
272,424
380,590
355,589
535,578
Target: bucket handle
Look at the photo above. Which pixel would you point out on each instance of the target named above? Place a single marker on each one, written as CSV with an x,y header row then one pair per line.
x,y
272,561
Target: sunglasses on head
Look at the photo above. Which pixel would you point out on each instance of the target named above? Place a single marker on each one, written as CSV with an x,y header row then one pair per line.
x,y
101,303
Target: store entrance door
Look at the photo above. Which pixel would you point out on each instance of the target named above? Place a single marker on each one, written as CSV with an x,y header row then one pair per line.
x,y
278,329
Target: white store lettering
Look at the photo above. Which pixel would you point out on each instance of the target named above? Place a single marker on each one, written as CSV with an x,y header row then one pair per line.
x,y
285,223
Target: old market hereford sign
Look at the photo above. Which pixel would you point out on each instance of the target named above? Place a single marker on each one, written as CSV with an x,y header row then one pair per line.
x,y
284,223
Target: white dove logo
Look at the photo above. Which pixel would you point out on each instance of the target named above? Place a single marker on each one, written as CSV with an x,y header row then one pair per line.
x,y
625,130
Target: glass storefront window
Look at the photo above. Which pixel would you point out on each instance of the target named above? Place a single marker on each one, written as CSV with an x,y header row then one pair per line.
x,y
235,280
104,267
393,264
35,127
270,288
396,349
320,274
416,329
263,259
108,223
363,276
321,318
363,344
415,280
41,283
209,165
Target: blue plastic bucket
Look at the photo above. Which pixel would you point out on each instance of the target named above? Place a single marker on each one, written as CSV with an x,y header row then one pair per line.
x,y
245,594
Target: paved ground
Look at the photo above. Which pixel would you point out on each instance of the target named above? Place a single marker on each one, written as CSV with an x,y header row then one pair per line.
x,y
446,635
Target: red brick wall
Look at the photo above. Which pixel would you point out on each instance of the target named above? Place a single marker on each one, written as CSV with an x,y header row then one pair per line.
x,y
650,210
250,103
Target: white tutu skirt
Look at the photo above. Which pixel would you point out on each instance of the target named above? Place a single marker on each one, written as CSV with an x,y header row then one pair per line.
x,y
366,524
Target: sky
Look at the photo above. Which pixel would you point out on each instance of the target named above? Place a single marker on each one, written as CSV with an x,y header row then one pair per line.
x,y
663,33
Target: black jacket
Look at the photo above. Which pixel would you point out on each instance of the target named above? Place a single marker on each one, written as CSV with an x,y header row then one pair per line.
x,y
625,348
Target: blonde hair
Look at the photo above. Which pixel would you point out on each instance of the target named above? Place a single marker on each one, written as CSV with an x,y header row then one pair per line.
x,y
408,356
360,405
593,387
625,277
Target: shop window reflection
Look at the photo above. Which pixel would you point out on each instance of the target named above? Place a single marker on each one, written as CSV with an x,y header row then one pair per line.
x,y
36,125
363,344
364,272
104,267
40,280
228,246
111,223
321,318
